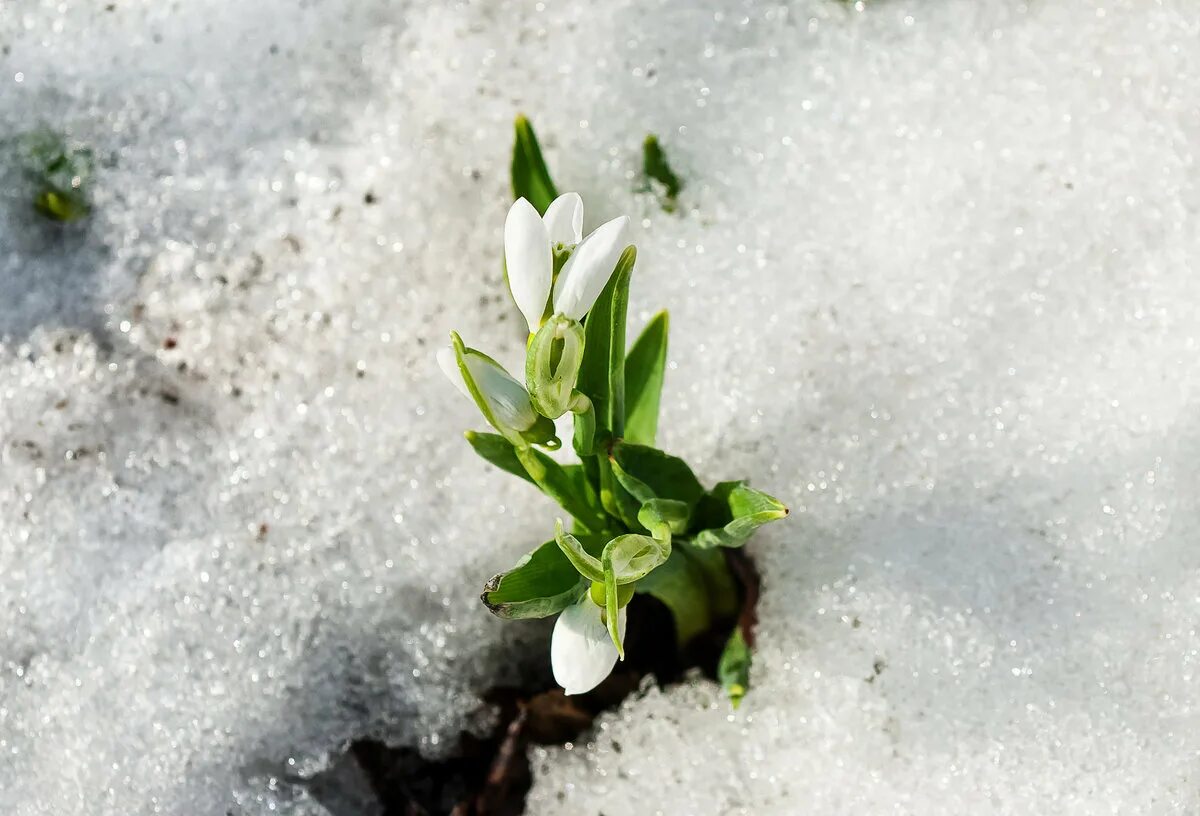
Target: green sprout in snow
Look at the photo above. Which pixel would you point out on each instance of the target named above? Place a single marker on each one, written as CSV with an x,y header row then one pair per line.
x,y
659,175
60,173
640,520
530,178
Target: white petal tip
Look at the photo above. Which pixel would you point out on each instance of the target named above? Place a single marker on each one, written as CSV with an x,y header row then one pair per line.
x,y
564,219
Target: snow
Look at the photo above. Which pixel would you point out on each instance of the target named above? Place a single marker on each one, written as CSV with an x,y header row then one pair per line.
x,y
929,285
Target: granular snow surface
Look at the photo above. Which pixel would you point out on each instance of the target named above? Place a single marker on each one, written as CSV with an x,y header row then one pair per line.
x,y
929,284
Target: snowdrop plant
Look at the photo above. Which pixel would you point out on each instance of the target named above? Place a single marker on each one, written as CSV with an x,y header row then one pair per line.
x,y
639,519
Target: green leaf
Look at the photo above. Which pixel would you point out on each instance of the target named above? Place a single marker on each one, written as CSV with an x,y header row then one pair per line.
x,y
665,476
672,514
681,586
644,369
656,167
572,493
722,589
632,485
732,512
602,372
616,500
542,583
530,178
733,669
577,476
498,451
632,557
612,615
583,562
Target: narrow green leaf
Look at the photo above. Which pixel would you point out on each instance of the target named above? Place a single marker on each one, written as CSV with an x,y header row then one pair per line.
x,y
644,369
733,669
618,314
498,451
602,372
577,477
583,562
616,500
732,512
666,476
612,615
530,178
542,583
634,486
572,493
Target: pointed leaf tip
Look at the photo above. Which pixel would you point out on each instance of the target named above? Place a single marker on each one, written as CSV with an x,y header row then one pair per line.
x,y
644,373
530,177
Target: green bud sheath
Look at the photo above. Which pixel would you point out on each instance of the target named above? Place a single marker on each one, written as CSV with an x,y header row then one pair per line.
x,y
552,364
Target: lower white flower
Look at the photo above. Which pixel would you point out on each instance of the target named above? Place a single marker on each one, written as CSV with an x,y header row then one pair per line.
x,y
507,398
581,651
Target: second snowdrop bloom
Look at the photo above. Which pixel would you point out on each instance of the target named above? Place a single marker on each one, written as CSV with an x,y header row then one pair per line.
x,y
502,400
581,652
534,245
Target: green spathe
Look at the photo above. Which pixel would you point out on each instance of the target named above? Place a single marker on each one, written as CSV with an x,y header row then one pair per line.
x,y
552,365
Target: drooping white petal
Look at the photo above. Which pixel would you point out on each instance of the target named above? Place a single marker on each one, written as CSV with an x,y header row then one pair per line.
x,y
507,398
581,652
564,219
529,261
449,365
588,269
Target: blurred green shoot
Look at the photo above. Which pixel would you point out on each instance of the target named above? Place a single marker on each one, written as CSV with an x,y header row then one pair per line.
x,y
60,173
656,168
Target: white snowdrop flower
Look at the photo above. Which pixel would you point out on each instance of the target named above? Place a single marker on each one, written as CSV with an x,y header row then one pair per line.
x,y
586,272
506,398
581,651
530,245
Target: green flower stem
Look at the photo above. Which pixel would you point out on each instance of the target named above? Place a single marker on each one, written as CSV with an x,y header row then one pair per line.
x,y
585,423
